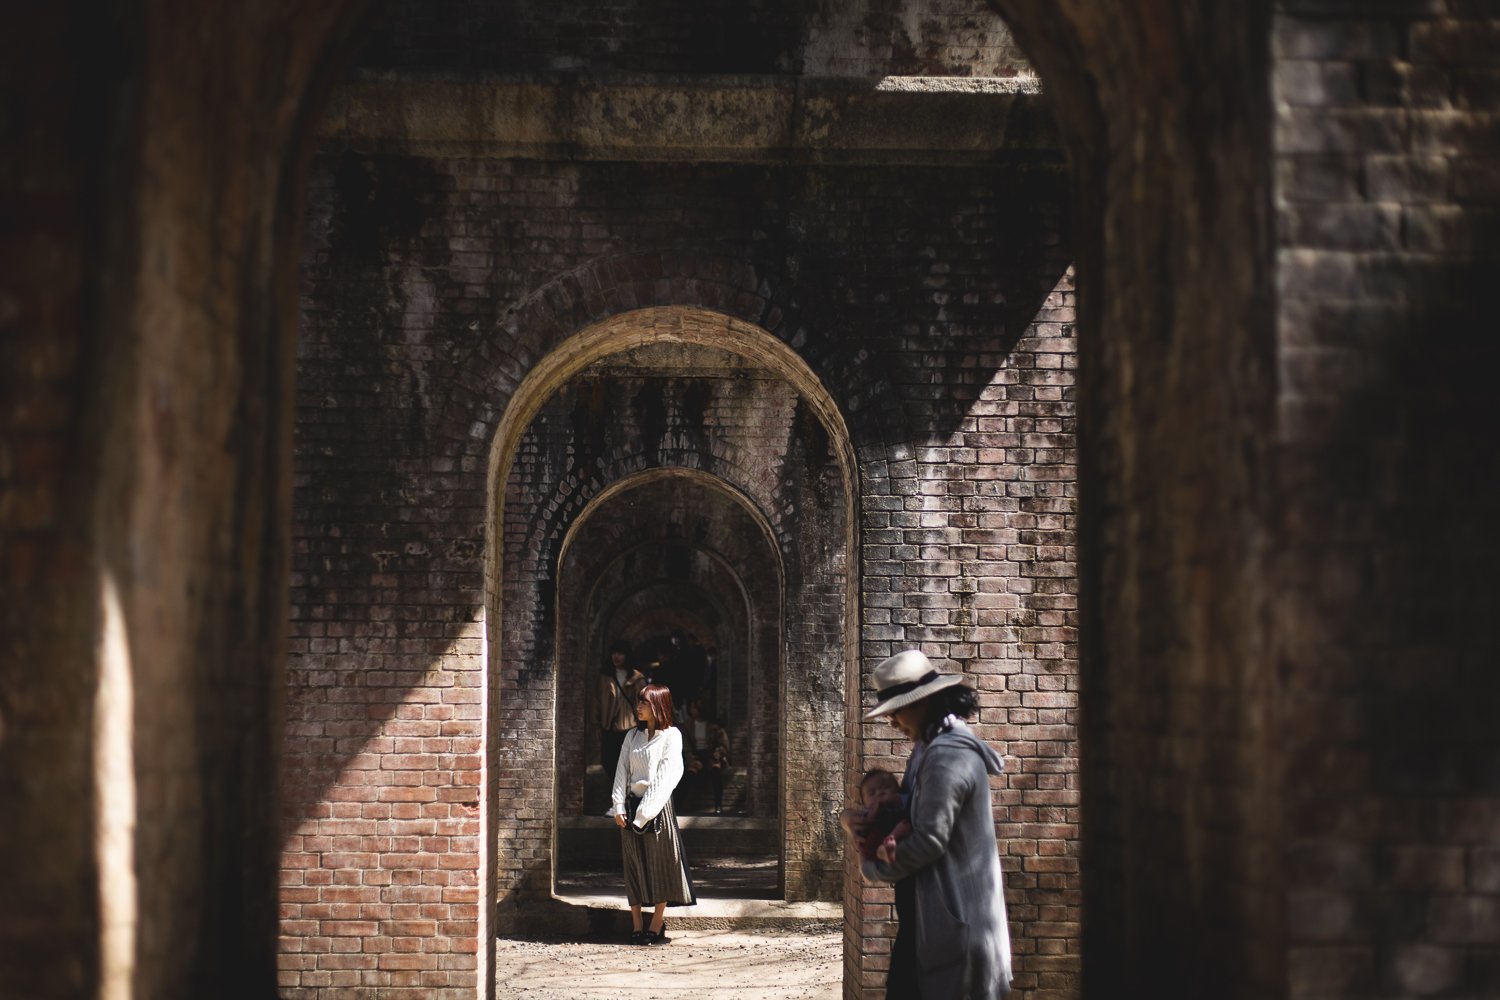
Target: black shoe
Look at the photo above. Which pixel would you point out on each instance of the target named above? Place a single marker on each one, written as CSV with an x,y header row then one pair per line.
x,y
657,937
638,937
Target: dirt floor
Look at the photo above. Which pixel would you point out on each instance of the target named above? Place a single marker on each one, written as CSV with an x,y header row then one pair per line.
x,y
790,964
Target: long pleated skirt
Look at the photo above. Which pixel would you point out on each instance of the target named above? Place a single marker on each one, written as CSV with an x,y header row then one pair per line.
x,y
656,870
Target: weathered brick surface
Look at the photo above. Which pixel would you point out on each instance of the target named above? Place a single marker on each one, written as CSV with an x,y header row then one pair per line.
x,y
1176,389
1388,507
968,554
434,286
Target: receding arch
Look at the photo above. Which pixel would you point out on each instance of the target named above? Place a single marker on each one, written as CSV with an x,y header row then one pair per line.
x,y
663,539
655,325
664,325
737,571
695,476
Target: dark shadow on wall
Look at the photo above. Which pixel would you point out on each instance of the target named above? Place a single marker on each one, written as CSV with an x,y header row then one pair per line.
x,y
968,271
1396,488
368,540
623,36
763,37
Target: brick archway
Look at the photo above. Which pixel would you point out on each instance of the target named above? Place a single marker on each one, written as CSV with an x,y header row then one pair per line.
x,y
706,545
745,586
817,595
748,293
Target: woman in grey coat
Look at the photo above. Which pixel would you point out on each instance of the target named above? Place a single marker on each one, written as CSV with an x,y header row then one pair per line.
x,y
952,942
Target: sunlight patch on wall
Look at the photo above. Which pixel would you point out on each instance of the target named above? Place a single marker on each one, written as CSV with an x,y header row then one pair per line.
x,y
115,801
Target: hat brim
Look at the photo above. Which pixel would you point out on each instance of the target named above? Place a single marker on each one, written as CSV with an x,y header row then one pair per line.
x,y
914,695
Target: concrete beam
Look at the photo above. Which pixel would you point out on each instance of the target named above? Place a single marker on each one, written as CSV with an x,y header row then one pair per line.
x,y
699,119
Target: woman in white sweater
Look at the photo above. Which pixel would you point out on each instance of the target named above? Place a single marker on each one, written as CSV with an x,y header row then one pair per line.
x,y
649,768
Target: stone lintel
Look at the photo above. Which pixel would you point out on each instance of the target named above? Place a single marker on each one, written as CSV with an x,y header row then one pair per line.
x,y
700,119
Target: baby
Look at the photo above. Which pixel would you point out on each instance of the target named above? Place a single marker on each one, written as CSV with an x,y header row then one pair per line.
x,y
880,819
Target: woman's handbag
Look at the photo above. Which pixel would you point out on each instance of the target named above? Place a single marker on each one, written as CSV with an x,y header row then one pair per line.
x,y
631,801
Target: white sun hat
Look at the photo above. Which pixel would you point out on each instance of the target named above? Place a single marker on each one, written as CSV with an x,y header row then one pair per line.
x,y
907,677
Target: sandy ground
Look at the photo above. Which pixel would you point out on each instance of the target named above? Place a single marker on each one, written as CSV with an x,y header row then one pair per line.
x,y
802,964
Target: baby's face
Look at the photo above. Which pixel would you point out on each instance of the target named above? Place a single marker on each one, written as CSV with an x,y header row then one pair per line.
x,y
880,791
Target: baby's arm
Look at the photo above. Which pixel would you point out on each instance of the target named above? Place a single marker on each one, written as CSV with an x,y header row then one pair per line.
x,y
852,820
855,820
887,850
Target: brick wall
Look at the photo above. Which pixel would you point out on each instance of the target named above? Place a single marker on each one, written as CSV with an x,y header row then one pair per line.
x,y
434,285
1388,201
968,554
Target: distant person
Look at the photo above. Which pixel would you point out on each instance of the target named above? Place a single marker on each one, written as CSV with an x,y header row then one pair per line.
x,y
952,939
707,752
692,669
618,686
879,820
649,768
662,668
710,670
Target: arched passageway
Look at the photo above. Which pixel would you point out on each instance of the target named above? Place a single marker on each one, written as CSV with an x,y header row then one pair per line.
x,y
727,413
676,562
898,361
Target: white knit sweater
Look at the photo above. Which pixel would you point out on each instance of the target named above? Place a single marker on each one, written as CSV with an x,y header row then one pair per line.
x,y
648,767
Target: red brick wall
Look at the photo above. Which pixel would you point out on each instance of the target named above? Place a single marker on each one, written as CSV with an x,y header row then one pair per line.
x,y
1388,202
433,286
969,555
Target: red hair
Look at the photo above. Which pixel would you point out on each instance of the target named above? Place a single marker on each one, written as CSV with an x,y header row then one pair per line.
x,y
659,697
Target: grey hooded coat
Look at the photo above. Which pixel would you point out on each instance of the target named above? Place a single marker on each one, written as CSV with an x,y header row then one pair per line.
x,y
963,940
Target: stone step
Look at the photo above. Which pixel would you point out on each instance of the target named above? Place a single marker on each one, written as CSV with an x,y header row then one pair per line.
x,y
608,915
583,840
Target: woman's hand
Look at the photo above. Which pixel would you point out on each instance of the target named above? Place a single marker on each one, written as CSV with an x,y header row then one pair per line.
x,y
620,820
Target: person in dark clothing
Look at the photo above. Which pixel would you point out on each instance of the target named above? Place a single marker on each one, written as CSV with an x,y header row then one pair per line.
x,y
706,751
616,690
952,939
